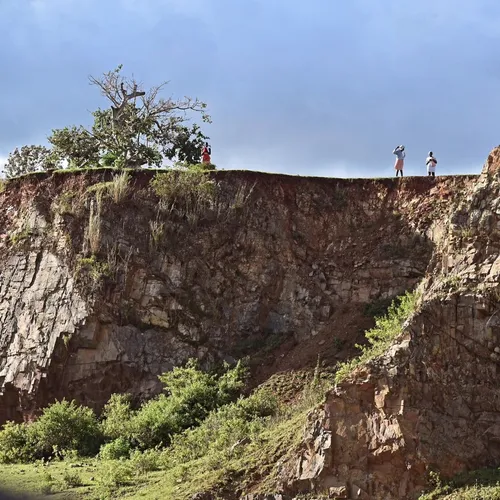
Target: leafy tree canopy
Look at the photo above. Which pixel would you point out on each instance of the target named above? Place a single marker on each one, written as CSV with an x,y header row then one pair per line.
x,y
140,128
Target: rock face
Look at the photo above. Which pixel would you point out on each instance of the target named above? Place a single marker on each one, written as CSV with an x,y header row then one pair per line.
x,y
100,296
432,402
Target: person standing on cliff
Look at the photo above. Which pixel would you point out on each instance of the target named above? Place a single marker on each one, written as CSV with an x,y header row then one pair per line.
x,y
400,160
205,154
431,163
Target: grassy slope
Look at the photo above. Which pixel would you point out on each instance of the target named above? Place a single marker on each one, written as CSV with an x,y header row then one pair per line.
x,y
253,466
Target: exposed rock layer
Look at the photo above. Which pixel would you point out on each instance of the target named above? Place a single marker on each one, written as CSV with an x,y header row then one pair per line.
x,y
432,402
276,263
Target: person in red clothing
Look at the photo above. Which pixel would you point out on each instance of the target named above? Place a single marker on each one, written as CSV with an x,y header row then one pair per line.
x,y
205,153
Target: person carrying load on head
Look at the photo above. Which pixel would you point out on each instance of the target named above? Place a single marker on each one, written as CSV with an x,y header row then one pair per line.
x,y
400,161
431,163
205,153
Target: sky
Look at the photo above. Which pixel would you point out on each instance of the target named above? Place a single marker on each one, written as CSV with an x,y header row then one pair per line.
x,y
323,87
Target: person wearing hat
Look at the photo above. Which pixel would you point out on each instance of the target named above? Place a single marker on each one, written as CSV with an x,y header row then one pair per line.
x,y
400,161
431,163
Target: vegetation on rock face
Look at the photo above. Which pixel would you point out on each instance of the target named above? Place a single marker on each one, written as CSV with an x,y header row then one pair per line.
x,y
196,437
476,485
187,192
379,338
139,128
191,395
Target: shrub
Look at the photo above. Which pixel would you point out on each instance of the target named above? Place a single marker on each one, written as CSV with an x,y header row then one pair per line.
x,y
222,429
119,187
186,192
16,443
146,461
378,307
113,474
67,426
117,415
119,448
192,395
379,338
72,479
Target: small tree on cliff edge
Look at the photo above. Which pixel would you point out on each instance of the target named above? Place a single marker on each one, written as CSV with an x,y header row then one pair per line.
x,y
28,159
140,127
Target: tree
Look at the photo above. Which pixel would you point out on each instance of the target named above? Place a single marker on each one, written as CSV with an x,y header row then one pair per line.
x,y
140,127
30,159
76,145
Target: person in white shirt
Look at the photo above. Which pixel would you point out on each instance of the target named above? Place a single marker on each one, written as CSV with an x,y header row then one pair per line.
x,y
400,161
431,163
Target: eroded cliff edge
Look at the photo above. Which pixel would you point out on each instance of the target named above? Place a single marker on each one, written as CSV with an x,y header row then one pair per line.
x,y
432,402
276,267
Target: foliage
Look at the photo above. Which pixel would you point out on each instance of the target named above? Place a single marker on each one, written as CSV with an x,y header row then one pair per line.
x,y
139,128
116,414
223,428
145,461
95,269
187,191
76,145
474,485
66,426
72,479
28,159
115,450
249,441
3,186
187,144
192,395
112,474
379,338
378,307
17,443
119,187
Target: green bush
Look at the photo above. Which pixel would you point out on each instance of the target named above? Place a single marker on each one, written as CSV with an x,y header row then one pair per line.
x,y
117,414
113,474
145,461
17,444
223,428
119,448
72,479
188,192
192,395
66,426
379,338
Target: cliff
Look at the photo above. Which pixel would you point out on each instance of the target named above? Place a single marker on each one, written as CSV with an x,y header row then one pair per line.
x,y
100,295
432,401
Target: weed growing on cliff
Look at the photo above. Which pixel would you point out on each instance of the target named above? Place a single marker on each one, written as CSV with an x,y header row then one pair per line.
x,y
94,227
20,236
157,232
3,186
379,338
95,269
242,196
378,307
186,192
119,187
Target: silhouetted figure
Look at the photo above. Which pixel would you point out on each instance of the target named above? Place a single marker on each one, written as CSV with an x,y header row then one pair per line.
x,y
400,161
431,163
205,154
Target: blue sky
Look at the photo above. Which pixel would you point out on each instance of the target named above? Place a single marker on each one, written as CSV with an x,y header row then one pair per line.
x,y
324,87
